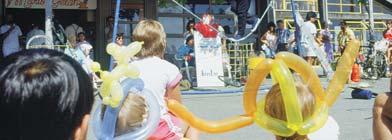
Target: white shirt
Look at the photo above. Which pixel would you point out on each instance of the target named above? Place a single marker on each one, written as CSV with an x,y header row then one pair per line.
x,y
85,47
34,32
158,75
330,131
12,40
308,33
73,30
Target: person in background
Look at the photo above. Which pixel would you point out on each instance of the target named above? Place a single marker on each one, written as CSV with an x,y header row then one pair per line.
x,y
269,40
187,51
283,37
59,36
119,39
73,29
44,95
344,36
83,44
75,52
190,28
309,37
240,9
11,34
387,34
86,48
35,30
325,36
109,29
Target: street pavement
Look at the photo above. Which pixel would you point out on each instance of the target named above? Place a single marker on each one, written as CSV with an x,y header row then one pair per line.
x,y
354,116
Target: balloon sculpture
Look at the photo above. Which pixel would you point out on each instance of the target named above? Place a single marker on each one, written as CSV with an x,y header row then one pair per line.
x,y
113,94
281,74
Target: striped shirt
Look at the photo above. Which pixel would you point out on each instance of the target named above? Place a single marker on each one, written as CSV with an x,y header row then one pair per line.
x,y
283,36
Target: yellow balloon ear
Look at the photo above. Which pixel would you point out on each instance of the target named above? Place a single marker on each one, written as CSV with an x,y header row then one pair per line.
x,y
95,67
133,48
111,48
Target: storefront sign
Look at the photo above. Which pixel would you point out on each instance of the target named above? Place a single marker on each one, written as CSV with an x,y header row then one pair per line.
x,y
208,61
57,4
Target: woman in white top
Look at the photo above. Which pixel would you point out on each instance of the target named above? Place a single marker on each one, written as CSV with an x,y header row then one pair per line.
x,y
269,39
308,37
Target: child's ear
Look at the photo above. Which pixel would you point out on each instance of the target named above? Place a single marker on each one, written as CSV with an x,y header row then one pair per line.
x,y
164,43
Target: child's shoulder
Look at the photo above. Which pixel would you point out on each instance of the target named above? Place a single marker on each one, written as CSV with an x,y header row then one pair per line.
x,y
155,61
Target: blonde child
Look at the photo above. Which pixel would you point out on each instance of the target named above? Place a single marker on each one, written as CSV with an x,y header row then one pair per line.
x,y
274,106
132,115
160,77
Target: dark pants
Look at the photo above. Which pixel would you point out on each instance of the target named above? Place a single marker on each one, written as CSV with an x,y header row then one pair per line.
x,y
240,7
281,47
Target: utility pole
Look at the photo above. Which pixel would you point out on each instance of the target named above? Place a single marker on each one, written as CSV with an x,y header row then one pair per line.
x,y
323,7
371,22
48,21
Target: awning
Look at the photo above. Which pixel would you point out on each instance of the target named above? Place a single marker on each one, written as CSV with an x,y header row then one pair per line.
x,y
386,3
57,4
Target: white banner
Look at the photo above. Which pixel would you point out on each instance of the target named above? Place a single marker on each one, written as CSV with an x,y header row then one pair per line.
x,y
208,58
57,4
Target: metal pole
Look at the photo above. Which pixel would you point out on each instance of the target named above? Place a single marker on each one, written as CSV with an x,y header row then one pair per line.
x,y
273,10
371,21
321,9
326,10
116,16
297,37
48,22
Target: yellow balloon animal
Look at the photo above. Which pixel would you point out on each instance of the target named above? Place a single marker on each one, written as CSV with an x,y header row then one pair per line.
x,y
279,69
111,90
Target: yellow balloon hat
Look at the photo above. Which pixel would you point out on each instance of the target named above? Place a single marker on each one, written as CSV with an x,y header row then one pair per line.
x,y
279,68
111,89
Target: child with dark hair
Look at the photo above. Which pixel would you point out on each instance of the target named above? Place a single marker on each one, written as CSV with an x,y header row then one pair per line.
x,y
187,51
269,40
44,95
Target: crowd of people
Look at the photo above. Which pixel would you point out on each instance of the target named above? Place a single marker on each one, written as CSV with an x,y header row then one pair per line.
x,y
46,94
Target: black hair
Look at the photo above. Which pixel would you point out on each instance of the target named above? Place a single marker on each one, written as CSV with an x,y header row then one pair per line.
x,y
119,35
109,17
188,25
188,38
279,21
44,94
343,22
81,33
310,15
271,24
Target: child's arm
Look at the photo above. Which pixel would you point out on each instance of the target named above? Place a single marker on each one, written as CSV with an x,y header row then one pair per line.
x,y
263,39
382,117
173,83
174,93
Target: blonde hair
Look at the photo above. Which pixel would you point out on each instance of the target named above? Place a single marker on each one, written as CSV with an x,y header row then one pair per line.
x,y
132,115
154,37
274,105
